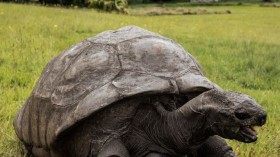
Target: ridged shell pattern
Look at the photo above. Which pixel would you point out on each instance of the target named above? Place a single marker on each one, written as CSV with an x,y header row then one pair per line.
x,y
99,71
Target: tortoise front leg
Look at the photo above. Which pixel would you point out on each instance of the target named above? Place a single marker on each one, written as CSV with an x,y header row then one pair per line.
x,y
215,146
114,148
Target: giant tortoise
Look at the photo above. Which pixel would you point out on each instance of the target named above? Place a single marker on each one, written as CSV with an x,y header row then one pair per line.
x,y
131,92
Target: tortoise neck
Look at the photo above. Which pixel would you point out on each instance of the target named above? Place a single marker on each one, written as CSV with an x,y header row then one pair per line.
x,y
184,129
189,130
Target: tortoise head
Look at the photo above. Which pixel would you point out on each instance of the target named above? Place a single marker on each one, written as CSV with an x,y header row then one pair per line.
x,y
234,115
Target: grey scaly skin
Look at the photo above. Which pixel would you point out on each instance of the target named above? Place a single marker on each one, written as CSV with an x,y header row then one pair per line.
x,y
228,114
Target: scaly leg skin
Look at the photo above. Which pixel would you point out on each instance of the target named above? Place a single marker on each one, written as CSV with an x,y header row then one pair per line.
x,y
114,148
215,146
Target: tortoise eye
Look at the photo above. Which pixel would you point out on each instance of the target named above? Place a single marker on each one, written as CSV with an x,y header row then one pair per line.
x,y
242,116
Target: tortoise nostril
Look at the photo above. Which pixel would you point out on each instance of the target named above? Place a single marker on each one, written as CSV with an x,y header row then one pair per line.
x,y
242,116
264,116
262,119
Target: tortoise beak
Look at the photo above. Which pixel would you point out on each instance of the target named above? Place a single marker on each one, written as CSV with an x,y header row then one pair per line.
x,y
247,133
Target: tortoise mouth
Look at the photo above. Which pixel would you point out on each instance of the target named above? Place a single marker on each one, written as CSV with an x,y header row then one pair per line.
x,y
245,134
249,133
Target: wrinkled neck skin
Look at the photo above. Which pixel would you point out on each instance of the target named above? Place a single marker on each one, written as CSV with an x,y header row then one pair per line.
x,y
184,130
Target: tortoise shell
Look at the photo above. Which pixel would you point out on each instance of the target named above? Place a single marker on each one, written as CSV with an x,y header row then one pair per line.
x,y
99,71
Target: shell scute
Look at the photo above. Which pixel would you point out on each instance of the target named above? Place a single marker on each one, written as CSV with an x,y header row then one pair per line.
x,y
55,68
97,66
130,83
155,56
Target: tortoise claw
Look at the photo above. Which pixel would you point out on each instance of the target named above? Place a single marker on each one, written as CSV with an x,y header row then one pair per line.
x,y
229,153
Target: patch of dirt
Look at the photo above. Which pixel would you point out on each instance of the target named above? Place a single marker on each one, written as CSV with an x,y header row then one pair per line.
x,y
276,5
157,11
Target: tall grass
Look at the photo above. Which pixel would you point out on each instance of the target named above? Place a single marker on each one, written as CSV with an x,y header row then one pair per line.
x,y
238,51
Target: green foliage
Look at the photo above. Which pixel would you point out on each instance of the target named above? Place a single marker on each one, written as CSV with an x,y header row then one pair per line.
x,y
109,5
105,5
238,51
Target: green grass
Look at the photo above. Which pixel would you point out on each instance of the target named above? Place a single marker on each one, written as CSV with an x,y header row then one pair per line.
x,y
238,51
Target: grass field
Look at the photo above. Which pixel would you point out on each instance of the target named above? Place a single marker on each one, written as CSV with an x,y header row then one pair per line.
x,y
238,51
